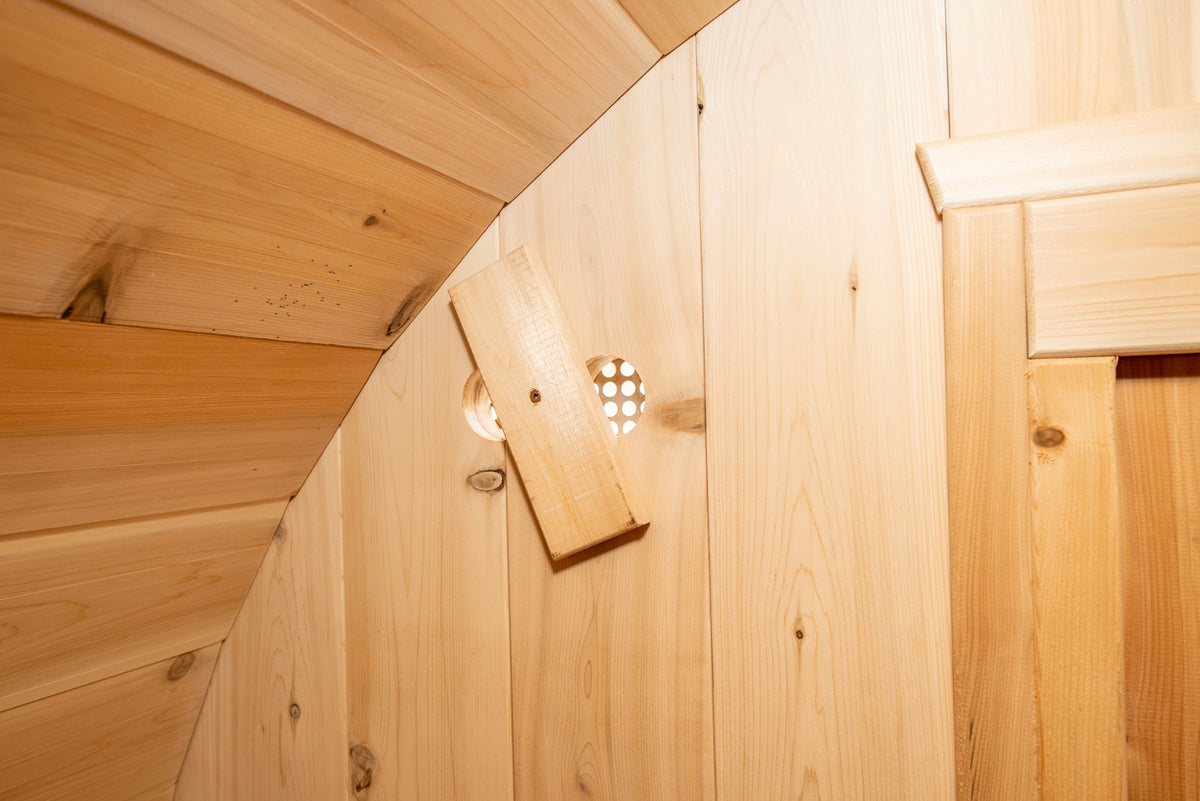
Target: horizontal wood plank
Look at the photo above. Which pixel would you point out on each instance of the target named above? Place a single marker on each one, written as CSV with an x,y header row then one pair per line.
x,y
101,422
1117,273
82,604
1127,151
484,91
139,189
115,740
553,422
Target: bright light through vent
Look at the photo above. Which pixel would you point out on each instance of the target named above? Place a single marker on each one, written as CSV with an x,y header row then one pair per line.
x,y
622,390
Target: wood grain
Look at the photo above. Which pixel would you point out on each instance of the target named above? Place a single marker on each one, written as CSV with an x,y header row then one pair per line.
x,y
118,739
1117,273
553,421
1126,151
991,536
827,451
669,22
1021,63
483,91
1079,635
286,647
612,687
102,422
78,605
143,190
426,571
1158,441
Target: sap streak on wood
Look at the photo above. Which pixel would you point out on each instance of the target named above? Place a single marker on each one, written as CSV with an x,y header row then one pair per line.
x,y
553,422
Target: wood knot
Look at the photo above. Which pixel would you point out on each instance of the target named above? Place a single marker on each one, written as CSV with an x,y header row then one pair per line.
x,y
294,711
371,220
487,480
362,767
1048,437
280,533
180,667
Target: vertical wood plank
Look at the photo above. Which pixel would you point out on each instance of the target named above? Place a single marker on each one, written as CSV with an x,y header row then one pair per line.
x,y
426,571
612,693
826,456
1021,63
287,647
1158,440
995,729
1077,579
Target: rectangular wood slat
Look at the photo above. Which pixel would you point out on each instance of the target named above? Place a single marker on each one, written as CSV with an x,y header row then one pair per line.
x,y
101,422
1079,631
611,653
553,422
137,188
824,363
669,22
83,604
1117,273
426,566
117,739
483,91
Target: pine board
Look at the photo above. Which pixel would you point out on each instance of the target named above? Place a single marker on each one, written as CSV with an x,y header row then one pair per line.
x,y
1117,273
991,535
118,739
1158,441
669,22
611,664
286,647
827,449
143,190
426,571
101,422
82,604
483,91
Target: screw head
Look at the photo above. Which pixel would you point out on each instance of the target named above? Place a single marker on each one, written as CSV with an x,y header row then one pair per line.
x,y
535,396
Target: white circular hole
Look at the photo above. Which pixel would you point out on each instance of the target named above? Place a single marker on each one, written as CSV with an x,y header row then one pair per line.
x,y
628,388
610,409
628,408
614,427
610,389
626,369
609,370
629,424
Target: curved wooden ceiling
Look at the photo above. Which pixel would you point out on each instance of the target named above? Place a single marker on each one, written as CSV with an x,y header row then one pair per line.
x,y
283,184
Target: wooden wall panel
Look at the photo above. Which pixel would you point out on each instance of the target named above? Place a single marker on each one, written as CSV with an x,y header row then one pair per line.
x,y
1158,439
991,558
143,190
826,450
83,604
611,661
426,572
121,739
1079,646
1021,63
106,422
482,91
1115,273
287,647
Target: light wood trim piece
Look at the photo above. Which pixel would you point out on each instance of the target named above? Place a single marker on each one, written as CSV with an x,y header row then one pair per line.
x,y
996,751
1117,273
139,189
1158,439
273,724
1146,148
553,422
117,739
669,22
483,91
103,422
426,566
82,604
1079,640
612,681
825,372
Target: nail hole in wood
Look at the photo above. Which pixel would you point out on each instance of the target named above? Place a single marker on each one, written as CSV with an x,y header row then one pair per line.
x,y
1048,437
180,667
535,397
